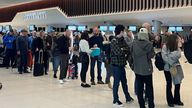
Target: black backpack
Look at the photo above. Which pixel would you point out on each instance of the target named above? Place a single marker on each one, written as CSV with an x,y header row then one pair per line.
x,y
188,51
159,63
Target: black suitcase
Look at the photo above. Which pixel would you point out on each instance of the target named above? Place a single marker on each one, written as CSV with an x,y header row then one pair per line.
x,y
38,65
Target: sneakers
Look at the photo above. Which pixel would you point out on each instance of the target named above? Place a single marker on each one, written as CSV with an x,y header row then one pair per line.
x,y
130,100
118,104
100,82
65,80
93,83
85,85
61,81
26,71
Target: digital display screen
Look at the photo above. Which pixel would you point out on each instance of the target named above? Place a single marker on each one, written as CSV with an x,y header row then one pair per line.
x,y
81,28
112,28
1,28
7,27
73,28
179,29
31,27
133,28
103,28
171,29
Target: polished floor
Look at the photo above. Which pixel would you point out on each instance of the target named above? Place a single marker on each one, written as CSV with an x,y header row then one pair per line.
x,y
26,91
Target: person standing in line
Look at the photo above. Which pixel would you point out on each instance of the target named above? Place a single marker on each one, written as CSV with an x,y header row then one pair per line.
x,y
119,51
63,43
142,53
108,66
84,56
22,47
37,46
56,55
48,41
96,41
171,53
8,42
30,39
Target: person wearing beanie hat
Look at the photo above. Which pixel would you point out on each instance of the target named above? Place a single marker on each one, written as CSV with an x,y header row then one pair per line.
x,y
142,53
119,50
143,34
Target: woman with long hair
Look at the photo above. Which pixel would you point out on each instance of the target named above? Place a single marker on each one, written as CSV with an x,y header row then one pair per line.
x,y
84,57
171,54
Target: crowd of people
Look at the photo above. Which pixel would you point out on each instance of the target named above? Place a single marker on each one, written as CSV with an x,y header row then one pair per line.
x,y
65,49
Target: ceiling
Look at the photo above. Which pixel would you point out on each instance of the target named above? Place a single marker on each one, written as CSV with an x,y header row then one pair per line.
x,y
169,17
6,3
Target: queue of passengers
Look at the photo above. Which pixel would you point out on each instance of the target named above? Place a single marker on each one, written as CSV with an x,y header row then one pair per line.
x,y
115,51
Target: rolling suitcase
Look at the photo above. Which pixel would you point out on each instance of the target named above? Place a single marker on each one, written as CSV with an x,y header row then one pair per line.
x,y
38,66
71,71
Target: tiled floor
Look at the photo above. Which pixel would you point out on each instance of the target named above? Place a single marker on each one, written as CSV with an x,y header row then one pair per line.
x,y
25,91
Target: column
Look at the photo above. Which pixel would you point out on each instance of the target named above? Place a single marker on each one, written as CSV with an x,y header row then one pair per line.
x,y
157,26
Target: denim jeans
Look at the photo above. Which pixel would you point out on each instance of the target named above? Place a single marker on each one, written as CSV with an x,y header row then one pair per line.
x,y
23,62
109,72
119,75
56,63
62,61
93,61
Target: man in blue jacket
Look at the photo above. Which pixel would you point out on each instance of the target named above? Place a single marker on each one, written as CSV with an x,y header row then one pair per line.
x,y
8,42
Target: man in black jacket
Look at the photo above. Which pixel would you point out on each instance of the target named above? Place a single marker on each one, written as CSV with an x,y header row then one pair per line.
x,y
22,50
96,41
63,43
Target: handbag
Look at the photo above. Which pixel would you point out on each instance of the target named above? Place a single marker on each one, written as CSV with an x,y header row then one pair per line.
x,y
173,70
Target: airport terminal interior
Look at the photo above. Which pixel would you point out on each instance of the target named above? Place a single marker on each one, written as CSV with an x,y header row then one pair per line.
x,y
29,80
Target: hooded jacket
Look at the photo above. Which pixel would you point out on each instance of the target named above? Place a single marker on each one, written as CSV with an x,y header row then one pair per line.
x,y
8,41
142,52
